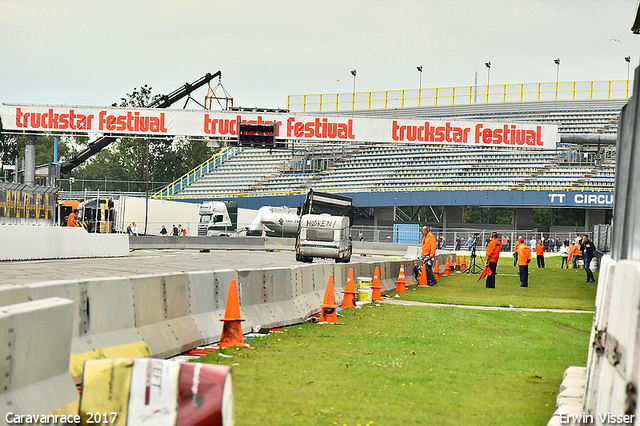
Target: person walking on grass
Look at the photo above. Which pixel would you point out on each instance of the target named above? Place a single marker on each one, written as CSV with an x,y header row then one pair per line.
x,y
491,258
540,254
588,251
524,257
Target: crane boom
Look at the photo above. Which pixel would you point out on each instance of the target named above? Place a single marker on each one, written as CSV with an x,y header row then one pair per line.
x,y
163,101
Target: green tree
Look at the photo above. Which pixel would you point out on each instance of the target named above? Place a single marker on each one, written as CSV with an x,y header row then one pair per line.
x,y
126,159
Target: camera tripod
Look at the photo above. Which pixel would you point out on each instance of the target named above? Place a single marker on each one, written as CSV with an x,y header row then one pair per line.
x,y
473,267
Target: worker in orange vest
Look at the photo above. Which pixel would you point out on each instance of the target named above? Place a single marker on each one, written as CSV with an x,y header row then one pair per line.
x,y
71,220
574,252
428,253
524,257
540,253
491,258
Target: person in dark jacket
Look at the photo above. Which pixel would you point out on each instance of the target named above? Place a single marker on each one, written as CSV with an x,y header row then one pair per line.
x,y
588,251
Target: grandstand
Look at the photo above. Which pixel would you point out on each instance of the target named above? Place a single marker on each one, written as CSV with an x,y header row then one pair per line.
x,y
421,173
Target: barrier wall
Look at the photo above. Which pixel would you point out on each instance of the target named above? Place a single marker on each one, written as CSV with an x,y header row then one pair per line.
x,y
25,242
147,315
32,380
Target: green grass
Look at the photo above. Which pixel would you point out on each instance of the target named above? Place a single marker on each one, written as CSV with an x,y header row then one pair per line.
x,y
550,287
401,365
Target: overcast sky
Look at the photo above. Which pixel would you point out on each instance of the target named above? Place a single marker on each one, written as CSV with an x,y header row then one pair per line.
x,y
94,52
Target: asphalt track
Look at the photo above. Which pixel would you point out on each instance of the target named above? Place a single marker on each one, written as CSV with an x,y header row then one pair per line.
x,y
145,262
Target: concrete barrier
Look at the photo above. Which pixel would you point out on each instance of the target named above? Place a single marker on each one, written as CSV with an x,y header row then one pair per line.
x,y
204,307
11,294
27,384
55,242
196,243
166,314
162,313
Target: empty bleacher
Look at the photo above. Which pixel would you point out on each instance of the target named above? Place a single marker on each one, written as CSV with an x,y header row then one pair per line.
x,y
375,167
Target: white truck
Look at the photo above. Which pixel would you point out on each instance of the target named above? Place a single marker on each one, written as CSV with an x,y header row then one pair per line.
x,y
324,227
218,218
275,222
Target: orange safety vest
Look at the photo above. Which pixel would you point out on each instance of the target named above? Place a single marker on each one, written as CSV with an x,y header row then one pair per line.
x,y
493,251
524,254
539,249
429,245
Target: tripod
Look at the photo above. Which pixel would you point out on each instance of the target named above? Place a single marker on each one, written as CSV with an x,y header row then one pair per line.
x,y
474,268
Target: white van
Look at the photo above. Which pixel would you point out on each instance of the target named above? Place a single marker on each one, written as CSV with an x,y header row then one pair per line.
x,y
324,236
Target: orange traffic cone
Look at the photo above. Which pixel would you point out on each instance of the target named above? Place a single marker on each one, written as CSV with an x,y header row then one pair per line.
x,y
436,270
401,284
328,305
375,285
447,268
232,329
457,263
423,277
349,299
464,263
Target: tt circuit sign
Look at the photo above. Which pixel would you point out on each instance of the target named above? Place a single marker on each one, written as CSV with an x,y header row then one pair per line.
x,y
224,124
580,199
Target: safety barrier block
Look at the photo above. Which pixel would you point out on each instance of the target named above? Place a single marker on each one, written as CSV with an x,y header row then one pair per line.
x,y
33,382
278,284
159,304
106,320
222,279
11,294
204,306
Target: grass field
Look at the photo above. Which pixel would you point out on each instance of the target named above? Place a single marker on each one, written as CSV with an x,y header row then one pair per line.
x,y
550,287
417,365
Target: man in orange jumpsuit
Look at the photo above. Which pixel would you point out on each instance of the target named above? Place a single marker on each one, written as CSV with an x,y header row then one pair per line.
x,y
428,253
491,258
540,254
71,220
524,257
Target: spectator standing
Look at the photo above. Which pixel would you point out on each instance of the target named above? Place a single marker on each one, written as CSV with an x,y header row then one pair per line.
x,y
588,251
469,242
491,258
524,257
163,231
564,253
457,242
504,243
129,233
174,231
540,254
532,244
134,229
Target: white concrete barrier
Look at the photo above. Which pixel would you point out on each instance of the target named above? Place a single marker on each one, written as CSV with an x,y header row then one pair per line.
x,y
55,242
11,294
32,332
205,311
162,314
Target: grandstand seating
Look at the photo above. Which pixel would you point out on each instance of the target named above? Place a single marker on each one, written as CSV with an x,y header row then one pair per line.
x,y
415,167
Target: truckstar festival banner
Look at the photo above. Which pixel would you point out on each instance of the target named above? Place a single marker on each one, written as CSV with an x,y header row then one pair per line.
x,y
335,128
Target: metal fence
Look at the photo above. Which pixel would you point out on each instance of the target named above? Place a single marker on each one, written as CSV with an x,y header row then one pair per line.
x,y
461,95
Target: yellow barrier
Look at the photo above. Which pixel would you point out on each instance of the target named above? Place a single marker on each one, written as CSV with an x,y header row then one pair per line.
x,y
461,95
186,179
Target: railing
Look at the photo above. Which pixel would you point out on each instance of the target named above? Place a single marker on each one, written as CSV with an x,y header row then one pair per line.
x,y
204,168
347,190
461,95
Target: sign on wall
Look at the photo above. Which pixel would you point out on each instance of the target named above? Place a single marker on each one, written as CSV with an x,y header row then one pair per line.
x,y
157,122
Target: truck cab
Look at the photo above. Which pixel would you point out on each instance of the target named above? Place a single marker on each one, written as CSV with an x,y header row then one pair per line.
x,y
217,220
324,236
